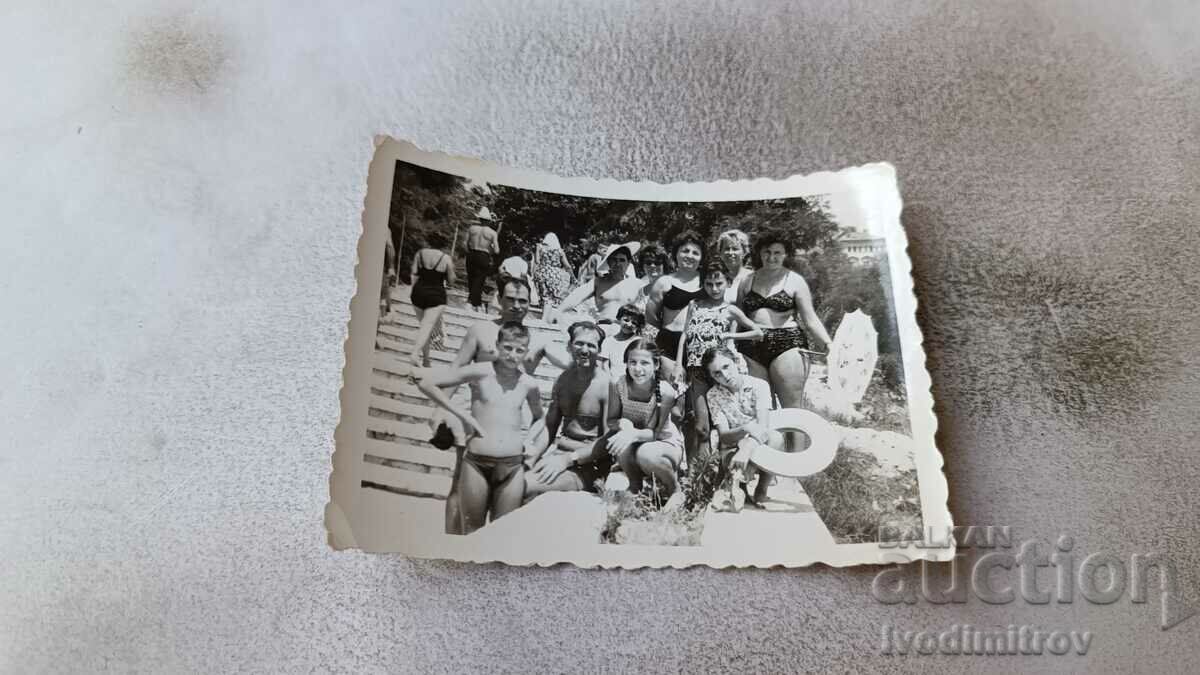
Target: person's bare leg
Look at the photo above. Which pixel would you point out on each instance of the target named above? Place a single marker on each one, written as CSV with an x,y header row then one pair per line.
x,y
700,421
774,440
567,481
428,318
789,373
467,511
507,497
659,459
629,464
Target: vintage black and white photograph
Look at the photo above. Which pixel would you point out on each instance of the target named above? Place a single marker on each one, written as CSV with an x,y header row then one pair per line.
x,y
566,370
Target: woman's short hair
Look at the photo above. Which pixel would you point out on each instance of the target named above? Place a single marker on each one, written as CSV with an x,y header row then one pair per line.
x,y
688,237
734,237
770,237
710,356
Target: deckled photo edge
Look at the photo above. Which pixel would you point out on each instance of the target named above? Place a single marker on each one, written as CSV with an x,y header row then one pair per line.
x,y
350,527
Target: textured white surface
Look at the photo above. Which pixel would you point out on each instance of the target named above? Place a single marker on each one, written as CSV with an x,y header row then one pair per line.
x,y
182,192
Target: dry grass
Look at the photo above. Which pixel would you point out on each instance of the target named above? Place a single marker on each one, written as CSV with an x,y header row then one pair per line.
x,y
855,497
638,519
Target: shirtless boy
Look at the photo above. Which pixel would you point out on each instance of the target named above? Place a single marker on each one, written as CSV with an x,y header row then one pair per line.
x,y
490,476
479,345
574,461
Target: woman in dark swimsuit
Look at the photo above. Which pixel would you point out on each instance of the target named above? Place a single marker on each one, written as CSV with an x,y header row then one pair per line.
x,y
432,272
667,302
779,301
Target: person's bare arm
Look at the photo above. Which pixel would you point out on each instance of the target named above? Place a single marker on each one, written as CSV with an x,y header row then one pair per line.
x,y
614,406
576,296
553,420
534,398
744,288
465,355
430,382
802,299
416,259
451,275
678,355
752,330
466,351
660,432
654,301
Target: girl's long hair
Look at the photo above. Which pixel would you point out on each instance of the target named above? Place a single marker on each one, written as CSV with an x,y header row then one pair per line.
x,y
646,345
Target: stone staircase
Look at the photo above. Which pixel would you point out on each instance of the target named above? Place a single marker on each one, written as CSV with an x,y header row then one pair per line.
x,y
397,455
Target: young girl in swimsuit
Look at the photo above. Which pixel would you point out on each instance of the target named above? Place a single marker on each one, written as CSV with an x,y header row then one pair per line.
x,y
709,324
642,437
739,406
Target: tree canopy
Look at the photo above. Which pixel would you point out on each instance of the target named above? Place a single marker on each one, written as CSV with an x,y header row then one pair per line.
x,y
425,201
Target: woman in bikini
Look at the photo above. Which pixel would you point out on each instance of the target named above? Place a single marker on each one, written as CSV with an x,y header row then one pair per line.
x,y
432,272
669,298
779,301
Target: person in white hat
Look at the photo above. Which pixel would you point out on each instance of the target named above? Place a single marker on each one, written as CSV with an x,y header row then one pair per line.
x,y
482,244
612,288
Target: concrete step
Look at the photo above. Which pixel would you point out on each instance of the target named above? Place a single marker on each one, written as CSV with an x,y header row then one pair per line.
x,y
407,412
401,387
412,457
388,362
404,314
408,432
404,482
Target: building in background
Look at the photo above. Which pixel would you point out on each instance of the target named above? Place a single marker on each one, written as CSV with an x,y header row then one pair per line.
x,y
861,247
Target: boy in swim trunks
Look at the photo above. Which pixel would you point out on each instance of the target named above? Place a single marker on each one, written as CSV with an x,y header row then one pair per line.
x,y
490,475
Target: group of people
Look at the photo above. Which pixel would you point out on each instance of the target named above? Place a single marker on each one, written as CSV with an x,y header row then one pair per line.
x,y
702,341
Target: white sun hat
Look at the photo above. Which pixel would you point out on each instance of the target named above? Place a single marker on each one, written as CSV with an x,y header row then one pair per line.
x,y
632,246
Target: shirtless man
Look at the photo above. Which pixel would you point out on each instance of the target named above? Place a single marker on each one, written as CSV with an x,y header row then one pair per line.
x,y
490,474
574,460
482,243
611,291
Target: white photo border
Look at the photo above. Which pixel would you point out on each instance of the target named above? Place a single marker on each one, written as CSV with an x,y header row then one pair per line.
x,y
350,524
